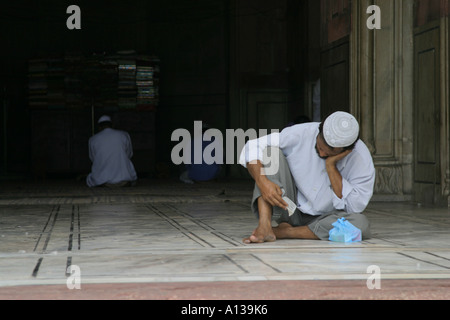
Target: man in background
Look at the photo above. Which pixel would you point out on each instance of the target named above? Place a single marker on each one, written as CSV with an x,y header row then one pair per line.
x,y
110,151
200,172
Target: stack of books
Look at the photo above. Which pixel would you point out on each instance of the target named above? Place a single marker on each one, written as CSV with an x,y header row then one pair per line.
x,y
147,82
73,67
127,84
108,94
125,81
37,83
55,83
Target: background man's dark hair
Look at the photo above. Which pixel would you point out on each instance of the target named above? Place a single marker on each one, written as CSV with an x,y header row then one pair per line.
x,y
105,124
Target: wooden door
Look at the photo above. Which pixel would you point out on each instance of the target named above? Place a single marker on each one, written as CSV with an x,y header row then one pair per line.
x,y
335,28
335,79
427,113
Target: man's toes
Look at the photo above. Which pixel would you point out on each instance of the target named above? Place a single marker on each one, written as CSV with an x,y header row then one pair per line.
x,y
252,239
255,239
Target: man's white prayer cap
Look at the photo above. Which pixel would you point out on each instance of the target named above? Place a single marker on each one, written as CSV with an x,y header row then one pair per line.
x,y
340,130
104,119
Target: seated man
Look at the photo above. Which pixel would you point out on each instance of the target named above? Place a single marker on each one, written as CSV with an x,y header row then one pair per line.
x,y
323,168
200,172
110,151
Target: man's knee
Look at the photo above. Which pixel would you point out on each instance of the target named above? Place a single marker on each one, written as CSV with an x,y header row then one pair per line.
x,y
322,226
361,222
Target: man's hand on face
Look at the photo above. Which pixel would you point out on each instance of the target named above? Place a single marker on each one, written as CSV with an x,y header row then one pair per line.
x,y
333,160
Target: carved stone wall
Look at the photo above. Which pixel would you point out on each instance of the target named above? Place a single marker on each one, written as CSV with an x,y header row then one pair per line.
x,y
382,93
445,106
389,180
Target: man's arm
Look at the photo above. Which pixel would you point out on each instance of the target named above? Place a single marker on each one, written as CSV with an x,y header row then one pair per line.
x,y
334,174
270,191
252,151
129,145
351,194
91,150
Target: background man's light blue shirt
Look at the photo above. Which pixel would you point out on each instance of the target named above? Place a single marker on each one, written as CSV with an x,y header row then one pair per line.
x,y
110,151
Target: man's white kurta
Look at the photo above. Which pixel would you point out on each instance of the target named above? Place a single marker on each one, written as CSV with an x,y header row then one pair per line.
x,y
110,151
315,195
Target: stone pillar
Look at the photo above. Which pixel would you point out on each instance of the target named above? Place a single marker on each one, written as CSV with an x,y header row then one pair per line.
x,y
445,108
382,91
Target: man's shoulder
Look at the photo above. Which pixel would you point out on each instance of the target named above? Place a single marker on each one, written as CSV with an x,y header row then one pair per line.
x,y
363,151
112,131
107,134
302,129
304,132
362,147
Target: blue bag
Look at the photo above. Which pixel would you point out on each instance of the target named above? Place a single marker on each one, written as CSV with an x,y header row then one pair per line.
x,y
344,231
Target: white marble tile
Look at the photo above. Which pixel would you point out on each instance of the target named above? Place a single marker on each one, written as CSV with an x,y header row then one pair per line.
x,y
156,241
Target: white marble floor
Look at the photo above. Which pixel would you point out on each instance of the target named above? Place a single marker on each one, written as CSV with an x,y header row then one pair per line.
x,y
177,236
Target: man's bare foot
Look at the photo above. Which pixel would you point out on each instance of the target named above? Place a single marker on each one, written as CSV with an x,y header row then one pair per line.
x,y
261,235
286,231
282,230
